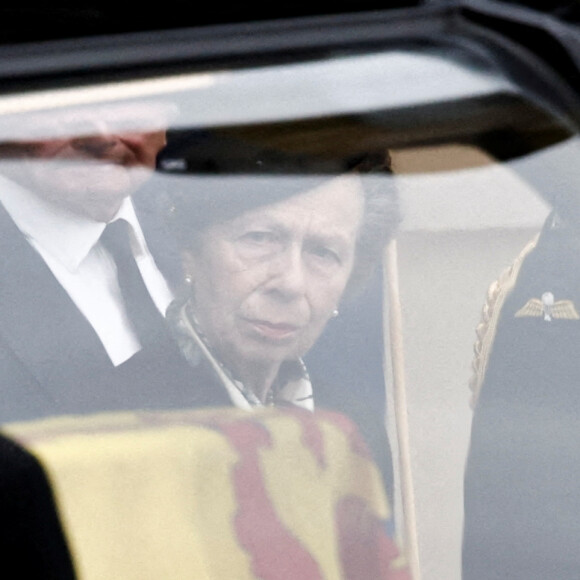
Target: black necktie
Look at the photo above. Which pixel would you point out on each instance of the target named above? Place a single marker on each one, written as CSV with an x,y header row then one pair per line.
x,y
145,318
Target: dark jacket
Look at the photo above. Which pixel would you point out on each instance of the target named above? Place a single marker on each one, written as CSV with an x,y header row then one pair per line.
x,y
52,361
522,492
346,366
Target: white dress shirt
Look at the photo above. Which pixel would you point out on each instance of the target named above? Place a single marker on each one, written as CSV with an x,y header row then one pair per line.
x,y
69,244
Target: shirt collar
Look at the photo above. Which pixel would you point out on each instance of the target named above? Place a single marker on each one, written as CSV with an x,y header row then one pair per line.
x,y
66,236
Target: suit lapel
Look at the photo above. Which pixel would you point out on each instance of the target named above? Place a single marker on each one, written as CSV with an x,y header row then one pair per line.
x,y
40,322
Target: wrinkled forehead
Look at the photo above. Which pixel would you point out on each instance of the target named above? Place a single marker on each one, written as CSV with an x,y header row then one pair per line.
x,y
65,122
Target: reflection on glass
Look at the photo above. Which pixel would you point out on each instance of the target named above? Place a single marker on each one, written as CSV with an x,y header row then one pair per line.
x,y
254,216
265,281
522,474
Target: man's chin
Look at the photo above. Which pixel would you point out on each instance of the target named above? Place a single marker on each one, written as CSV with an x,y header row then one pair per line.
x,y
97,204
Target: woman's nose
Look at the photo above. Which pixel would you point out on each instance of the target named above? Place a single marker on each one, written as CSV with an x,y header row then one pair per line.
x,y
288,276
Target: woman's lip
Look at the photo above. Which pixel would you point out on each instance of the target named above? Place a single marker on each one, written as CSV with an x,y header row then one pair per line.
x,y
273,330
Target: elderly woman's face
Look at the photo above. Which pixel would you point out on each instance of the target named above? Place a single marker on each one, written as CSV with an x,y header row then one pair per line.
x,y
267,282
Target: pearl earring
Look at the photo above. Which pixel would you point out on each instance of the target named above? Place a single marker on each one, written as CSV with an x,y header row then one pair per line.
x,y
334,313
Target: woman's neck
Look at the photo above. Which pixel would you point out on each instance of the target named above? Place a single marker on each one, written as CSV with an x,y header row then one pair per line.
x,y
256,376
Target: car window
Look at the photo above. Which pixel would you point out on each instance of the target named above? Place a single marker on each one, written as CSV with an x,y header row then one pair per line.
x,y
247,188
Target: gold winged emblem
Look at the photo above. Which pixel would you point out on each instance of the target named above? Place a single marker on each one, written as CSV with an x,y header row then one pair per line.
x,y
548,308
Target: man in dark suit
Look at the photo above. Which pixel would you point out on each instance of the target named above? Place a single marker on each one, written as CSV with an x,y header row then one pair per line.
x,y
522,492
68,340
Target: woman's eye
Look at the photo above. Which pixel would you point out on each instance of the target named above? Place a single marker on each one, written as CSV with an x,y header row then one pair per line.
x,y
256,244
259,237
325,254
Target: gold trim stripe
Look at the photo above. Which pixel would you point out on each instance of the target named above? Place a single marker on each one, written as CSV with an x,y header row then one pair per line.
x,y
486,329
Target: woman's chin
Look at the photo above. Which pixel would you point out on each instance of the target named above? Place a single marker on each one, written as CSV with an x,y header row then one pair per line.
x,y
264,354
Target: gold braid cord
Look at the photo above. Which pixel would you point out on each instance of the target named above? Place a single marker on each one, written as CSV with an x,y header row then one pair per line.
x,y
487,327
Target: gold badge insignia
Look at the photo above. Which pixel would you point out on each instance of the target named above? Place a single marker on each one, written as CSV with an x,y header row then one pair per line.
x,y
548,308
